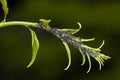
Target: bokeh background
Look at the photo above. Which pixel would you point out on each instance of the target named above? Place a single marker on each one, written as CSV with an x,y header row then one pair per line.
x,y
99,18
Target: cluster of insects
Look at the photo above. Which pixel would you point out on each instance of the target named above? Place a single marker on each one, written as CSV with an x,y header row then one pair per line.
x,y
66,36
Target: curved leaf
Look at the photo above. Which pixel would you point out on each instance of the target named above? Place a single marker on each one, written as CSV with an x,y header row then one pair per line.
x,y
72,31
5,8
83,57
69,55
89,62
35,47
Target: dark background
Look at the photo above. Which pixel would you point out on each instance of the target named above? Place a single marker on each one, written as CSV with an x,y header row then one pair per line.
x,y
99,18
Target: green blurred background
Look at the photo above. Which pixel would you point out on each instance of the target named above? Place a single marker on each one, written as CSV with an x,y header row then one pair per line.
x,y
99,18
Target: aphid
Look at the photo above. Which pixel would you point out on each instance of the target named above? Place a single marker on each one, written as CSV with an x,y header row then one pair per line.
x,y
66,36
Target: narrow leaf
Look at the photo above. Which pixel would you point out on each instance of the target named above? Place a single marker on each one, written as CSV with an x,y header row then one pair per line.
x,y
72,31
83,57
5,8
69,55
89,62
86,40
35,47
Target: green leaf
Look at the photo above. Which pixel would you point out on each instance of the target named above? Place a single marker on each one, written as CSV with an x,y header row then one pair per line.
x,y
83,57
35,47
69,55
72,31
89,62
5,8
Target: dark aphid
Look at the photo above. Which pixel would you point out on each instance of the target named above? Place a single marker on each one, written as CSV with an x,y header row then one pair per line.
x,y
41,24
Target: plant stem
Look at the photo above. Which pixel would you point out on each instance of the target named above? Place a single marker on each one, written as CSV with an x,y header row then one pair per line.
x,y
23,23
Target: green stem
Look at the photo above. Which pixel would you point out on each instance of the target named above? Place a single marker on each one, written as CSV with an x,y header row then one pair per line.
x,y
23,23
